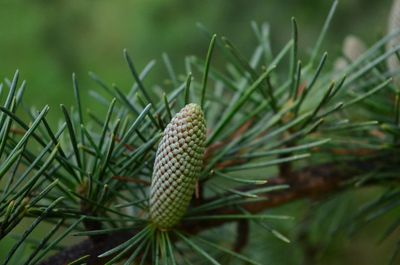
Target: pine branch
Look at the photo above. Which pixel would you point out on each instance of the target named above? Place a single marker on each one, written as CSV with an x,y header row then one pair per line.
x,y
256,121
308,183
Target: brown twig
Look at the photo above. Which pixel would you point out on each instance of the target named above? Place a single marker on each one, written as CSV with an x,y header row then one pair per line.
x,y
312,182
242,236
117,139
218,145
131,180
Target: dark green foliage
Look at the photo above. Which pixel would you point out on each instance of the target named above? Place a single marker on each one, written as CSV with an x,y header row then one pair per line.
x,y
269,117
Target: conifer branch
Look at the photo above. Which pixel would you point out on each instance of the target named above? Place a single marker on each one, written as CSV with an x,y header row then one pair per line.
x,y
308,183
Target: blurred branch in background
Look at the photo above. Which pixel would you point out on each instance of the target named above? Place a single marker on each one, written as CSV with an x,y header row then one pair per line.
x,y
311,183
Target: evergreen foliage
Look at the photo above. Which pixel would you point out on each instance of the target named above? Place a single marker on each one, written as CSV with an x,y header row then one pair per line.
x,y
281,127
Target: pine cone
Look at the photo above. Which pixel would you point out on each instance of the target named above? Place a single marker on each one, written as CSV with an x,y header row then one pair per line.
x,y
178,164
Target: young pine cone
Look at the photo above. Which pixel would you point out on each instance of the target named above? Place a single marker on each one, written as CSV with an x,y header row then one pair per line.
x,y
178,163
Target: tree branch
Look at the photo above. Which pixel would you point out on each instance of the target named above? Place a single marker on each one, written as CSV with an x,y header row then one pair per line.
x,y
307,183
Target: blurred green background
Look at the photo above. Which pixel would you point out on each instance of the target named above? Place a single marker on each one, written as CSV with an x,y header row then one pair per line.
x,y
48,40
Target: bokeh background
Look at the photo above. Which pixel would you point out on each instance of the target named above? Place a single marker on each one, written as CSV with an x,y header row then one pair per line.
x,y
49,40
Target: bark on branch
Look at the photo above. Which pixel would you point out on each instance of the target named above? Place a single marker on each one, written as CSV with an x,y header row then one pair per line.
x,y
310,182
